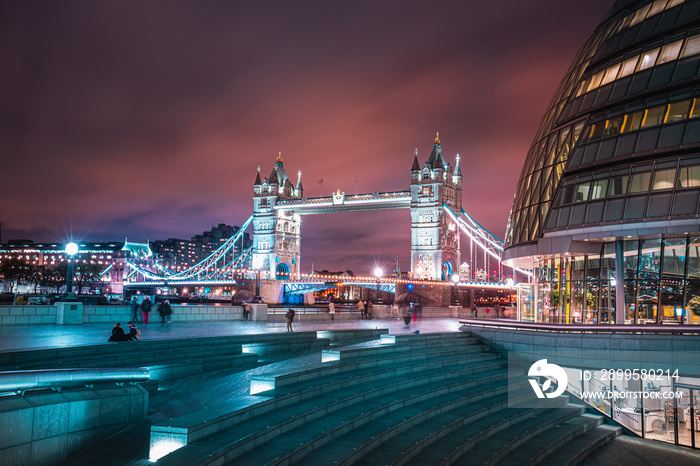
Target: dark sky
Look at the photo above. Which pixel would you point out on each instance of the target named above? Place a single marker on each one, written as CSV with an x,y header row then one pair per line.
x,y
147,120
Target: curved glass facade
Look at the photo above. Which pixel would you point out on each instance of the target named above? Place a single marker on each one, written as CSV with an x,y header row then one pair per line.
x,y
612,180
630,95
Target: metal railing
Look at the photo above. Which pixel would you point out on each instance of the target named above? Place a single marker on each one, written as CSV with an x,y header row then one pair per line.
x,y
582,328
19,381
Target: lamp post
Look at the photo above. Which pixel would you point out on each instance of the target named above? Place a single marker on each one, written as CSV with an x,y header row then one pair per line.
x,y
71,250
378,272
455,279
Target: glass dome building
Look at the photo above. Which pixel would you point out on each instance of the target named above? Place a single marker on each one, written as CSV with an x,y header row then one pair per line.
x,y
606,207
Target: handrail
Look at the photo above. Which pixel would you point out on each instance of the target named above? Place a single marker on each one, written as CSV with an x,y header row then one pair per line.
x,y
15,381
582,328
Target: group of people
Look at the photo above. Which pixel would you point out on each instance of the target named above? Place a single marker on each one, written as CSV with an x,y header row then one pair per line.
x,y
366,309
145,306
119,335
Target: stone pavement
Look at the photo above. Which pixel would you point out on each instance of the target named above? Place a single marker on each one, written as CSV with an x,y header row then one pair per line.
x,y
17,337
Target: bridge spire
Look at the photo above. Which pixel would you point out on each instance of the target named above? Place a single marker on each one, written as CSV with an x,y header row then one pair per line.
x,y
415,167
279,158
437,138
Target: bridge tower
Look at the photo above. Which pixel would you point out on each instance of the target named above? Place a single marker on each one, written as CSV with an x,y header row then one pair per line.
x,y
276,232
435,251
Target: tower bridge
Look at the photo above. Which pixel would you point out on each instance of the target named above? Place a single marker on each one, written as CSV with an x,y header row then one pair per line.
x,y
438,221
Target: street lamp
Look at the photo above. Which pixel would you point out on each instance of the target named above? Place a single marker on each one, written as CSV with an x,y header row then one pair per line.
x,y
71,250
378,272
455,279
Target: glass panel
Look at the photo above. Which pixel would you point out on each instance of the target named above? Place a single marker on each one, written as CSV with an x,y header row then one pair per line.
x,y
670,52
672,3
610,74
684,418
654,116
640,14
663,179
685,202
640,182
696,416
648,59
692,292
633,121
612,126
672,281
582,191
595,385
692,46
598,189
595,81
630,64
677,111
634,207
657,7
695,110
659,205
628,411
689,177
618,185
658,410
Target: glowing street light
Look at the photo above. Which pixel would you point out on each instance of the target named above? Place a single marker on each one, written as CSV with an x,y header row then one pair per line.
x,y
71,250
378,272
455,280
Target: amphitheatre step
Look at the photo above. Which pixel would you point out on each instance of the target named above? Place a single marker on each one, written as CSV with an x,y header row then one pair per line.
x,y
401,443
540,446
387,346
385,440
277,380
265,343
371,417
581,447
462,443
319,402
393,338
496,447
235,363
198,425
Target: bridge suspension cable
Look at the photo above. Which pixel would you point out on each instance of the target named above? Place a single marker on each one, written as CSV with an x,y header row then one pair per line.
x,y
484,239
215,266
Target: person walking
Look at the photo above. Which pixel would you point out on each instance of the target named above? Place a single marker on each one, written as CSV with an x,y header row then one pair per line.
x,y
146,309
246,311
290,319
361,308
370,310
331,310
134,309
475,311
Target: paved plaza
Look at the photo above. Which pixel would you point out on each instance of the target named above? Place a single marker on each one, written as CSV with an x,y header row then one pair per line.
x,y
48,336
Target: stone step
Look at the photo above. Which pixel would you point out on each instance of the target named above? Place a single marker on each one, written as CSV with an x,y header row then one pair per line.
x,y
492,449
580,448
383,442
401,338
195,426
260,384
540,446
401,443
460,439
385,347
234,363
319,404
10,360
369,418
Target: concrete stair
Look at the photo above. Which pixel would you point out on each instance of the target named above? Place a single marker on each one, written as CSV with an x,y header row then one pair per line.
x,y
409,399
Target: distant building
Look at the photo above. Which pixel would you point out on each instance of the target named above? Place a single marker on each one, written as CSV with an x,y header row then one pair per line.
x,y
180,254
